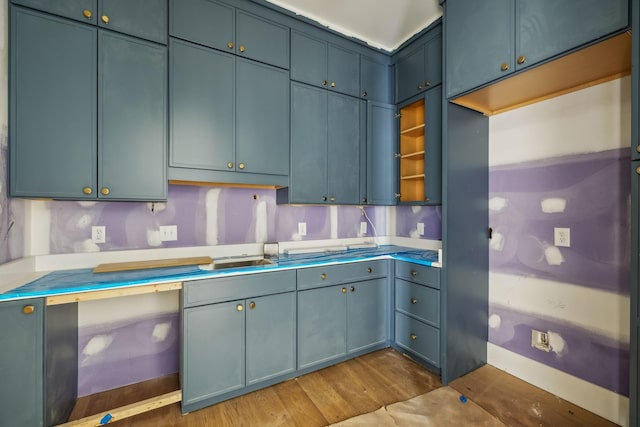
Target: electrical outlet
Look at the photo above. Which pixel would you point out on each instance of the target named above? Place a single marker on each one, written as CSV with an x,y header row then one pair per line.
x,y
421,228
562,237
99,234
168,233
302,228
363,227
540,340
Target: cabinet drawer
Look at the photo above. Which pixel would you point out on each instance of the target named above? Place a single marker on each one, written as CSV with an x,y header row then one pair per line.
x,y
429,276
418,337
238,287
418,301
340,273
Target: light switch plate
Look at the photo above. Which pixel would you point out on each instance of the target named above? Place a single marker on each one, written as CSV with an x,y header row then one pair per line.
x,y
421,228
363,227
302,228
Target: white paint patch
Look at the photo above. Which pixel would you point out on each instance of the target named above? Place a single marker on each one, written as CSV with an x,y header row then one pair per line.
x,y
85,246
160,332
557,343
414,233
495,321
296,237
211,208
97,344
497,242
553,205
87,204
154,237
416,209
497,204
553,256
84,221
260,218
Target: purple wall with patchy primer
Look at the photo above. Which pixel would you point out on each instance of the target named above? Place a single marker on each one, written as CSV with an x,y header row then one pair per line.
x,y
408,217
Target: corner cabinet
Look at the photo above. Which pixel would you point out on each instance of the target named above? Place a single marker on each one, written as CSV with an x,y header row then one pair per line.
x,y
86,145
419,66
490,40
420,149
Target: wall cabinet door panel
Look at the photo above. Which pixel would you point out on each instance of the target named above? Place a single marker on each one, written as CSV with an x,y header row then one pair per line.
x,y
205,22
375,80
366,314
410,73
146,19
262,40
382,164
343,149
433,61
308,59
74,9
343,70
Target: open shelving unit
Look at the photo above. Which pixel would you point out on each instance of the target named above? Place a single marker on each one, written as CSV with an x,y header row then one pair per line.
x,y
412,152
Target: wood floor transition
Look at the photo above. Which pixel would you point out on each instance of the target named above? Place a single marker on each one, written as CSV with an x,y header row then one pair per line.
x,y
342,391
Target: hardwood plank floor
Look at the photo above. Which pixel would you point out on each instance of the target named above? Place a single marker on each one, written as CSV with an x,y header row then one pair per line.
x,y
351,388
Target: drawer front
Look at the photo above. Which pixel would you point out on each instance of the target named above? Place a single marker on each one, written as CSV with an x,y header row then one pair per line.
x,y
220,289
429,276
418,337
314,277
418,301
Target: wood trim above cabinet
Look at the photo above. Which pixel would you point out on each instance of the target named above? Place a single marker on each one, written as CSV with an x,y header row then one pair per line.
x,y
598,63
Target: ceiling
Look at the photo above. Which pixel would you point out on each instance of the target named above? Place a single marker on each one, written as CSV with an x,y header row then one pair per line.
x,y
383,24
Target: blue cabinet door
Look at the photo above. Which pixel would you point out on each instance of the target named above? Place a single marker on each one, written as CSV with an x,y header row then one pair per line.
x,y
213,349
132,107
375,80
205,22
433,60
343,70
547,28
382,145
202,108
367,311
262,40
262,118
146,19
433,147
308,176
21,363
308,59
53,83
322,334
480,43
410,73
80,10
271,336
343,149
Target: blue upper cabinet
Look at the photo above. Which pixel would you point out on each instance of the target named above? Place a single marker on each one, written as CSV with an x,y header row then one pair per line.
x,y
319,63
382,164
226,28
146,19
520,34
375,80
419,66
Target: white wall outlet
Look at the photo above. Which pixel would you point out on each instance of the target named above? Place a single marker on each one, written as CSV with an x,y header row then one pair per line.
x,y
363,227
168,233
302,228
562,237
421,228
99,234
540,340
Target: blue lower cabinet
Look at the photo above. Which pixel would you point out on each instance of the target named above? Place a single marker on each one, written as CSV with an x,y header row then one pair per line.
x,y
418,338
367,314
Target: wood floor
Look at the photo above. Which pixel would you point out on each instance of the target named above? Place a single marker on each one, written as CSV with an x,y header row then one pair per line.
x,y
345,390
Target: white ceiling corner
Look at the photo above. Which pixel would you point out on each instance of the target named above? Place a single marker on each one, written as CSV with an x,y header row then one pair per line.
x,y
383,24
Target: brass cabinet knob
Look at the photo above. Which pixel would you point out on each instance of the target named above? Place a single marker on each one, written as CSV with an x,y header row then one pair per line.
x,y
419,87
638,170
105,191
369,270
230,165
414,301
332,199
344,290
522,59
333,84
638,148
413,337
324,83
324,198
28,309
252,305
87,190
323,276
364,93
241,165
353,289
426,199
230,45
427,83
87,13
504,67
239,307
105,19
414,273
242,48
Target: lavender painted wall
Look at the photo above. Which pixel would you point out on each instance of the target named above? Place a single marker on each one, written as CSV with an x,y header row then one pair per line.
x,y
408,217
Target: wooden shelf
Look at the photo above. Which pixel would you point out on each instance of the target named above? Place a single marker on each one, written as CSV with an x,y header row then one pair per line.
x,y
411,177
414,131
417,155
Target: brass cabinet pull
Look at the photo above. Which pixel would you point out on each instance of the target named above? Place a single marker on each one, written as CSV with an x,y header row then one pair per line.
x,y
242,48
87,13
239,307
344,290
364,93
241,165
427,83
87,190
414,301
414,273
333,84
230,45
353,289
28,309
105,191
105,19
252,305
504,67
324,83
230,165
413,337
369,270
323,276
522,59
